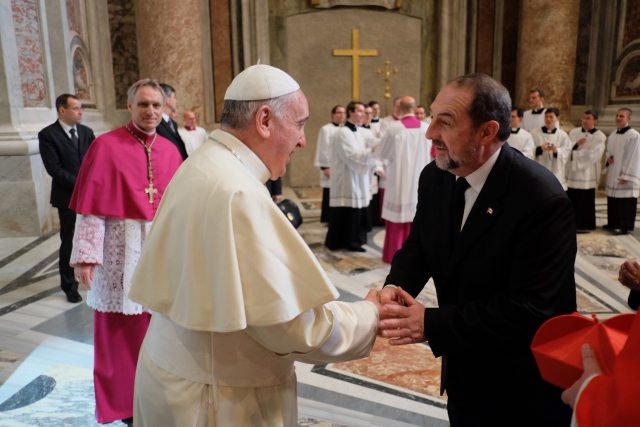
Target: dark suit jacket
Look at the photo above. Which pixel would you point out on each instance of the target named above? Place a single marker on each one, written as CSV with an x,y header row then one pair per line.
x,y
62,160
164,130
511,269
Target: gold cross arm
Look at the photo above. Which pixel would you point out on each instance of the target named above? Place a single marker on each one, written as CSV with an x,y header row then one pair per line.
x,y
355,53
150,191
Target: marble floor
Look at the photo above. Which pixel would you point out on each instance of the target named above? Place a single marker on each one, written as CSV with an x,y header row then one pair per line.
x,y
46,351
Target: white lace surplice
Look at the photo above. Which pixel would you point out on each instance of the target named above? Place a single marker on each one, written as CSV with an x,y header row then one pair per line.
x,y
114,244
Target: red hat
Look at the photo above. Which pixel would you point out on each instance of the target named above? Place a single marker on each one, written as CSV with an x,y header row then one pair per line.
x,y
557,345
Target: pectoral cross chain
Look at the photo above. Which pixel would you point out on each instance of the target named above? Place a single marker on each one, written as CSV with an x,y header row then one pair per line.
x,y
150,191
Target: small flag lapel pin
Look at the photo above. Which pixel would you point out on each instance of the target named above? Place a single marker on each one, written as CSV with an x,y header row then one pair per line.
x,y
490,211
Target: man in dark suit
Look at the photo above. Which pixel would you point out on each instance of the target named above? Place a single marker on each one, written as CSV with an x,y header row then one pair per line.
x,y
168,128
496,233
63,145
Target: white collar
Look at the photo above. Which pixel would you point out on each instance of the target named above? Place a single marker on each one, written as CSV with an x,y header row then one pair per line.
x,y
248,157
143,131
165,117
67,128
477,178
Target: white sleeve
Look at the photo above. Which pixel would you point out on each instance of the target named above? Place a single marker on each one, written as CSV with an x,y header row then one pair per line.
x,y
360,160
334,332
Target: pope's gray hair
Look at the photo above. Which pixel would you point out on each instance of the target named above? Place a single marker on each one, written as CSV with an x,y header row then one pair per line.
x,y
131,93
238,114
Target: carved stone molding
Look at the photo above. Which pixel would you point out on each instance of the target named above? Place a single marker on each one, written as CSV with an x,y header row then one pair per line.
x,y
325,4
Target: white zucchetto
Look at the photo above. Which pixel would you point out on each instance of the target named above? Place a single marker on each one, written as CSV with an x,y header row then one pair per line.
x,y
261,82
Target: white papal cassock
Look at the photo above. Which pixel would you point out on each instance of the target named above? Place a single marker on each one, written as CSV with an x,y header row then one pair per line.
x,y
583,166
554,162
522,141
238,297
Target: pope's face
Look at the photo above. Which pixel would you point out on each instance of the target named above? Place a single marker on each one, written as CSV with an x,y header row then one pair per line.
x,y
515,120
288,134
420,114
146,109
452,132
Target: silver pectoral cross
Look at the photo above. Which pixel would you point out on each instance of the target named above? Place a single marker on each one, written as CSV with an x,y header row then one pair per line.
x,y
150,191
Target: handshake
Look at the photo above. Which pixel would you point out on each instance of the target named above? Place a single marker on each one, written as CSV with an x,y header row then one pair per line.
x,y
401,316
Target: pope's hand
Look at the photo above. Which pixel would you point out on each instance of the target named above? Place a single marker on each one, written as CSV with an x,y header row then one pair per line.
x,y
591,368
628,274
85,274
373,297
388,295
404,325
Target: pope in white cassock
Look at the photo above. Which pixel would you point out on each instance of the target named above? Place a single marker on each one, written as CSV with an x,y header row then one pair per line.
x,y
236,293
404,151
583,170
552,145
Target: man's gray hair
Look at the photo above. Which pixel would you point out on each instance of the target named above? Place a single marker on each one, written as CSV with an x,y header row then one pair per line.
x,y
131,93
238,114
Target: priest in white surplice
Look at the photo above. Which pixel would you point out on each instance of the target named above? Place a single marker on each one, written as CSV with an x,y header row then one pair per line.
x,y
623,175
192,134
352,163
534,117
552,145
583,170
520,139
405,151
236,293
323,156
375,118
386,121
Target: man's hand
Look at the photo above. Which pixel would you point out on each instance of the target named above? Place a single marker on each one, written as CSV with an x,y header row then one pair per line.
x,y
581,141
628,275
405,325
546,146
622,181
374,148
85,274
388,295
380,173
610,160
554,148
591,367
374,297
327,173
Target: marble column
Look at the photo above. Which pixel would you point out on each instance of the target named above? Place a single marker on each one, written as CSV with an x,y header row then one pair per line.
x,y
170,49
548,41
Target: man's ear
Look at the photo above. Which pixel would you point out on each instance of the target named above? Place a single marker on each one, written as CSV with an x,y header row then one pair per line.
x,y
488,132
263,121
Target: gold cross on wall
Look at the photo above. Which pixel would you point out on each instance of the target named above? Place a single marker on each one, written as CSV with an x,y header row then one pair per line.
x,y
355,53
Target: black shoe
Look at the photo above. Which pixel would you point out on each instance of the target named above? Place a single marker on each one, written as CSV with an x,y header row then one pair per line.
x,y
583,231
356,249
74,297
619,232
128,421
607,227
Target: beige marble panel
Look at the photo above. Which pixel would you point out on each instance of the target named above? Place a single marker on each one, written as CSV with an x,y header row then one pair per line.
x,y
548,40
326,79
170,49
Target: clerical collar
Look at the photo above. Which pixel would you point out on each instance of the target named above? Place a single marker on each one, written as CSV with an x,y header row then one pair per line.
x,y
545,130
515,131
190,128
336,124
592,131
249,159
540,111
351,126
366,126
623,130
375,120
67,128
143,131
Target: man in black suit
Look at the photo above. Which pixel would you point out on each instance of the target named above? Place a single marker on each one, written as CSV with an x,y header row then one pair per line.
x,y
62,147
168,128
496,233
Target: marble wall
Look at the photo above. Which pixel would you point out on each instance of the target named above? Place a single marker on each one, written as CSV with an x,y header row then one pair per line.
x,y
28,40
548,52
74,17
124,47
582,53
626,69
170,49
222,51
